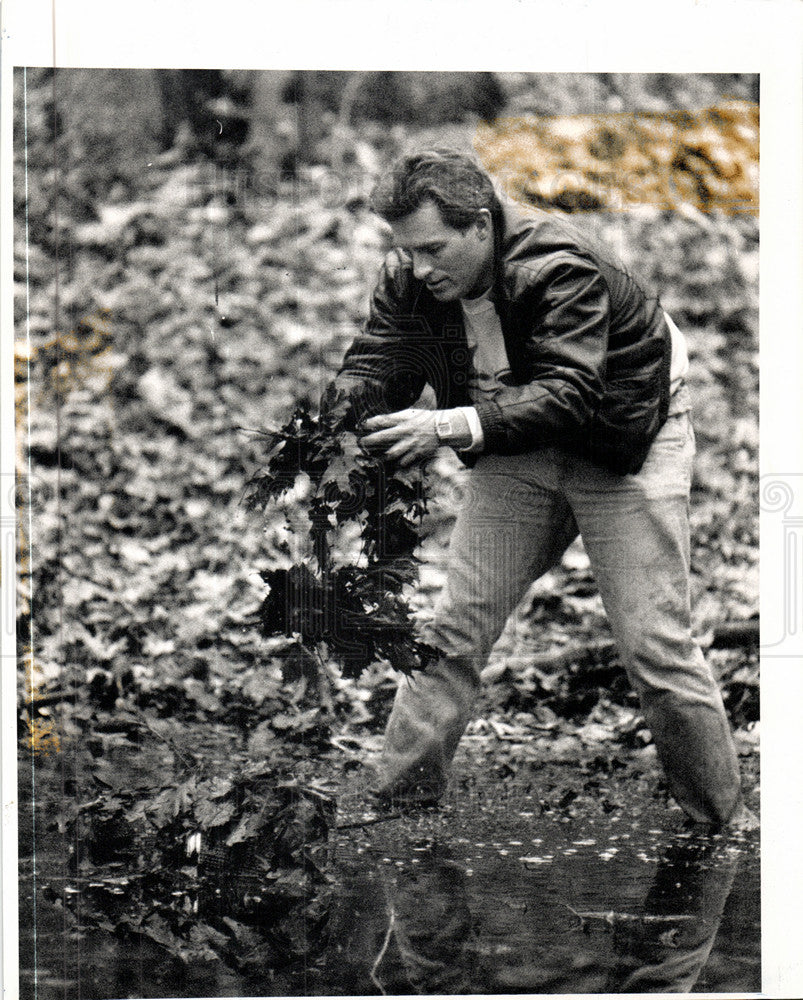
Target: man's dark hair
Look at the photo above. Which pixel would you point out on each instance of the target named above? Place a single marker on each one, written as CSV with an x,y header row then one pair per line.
x,y
452,180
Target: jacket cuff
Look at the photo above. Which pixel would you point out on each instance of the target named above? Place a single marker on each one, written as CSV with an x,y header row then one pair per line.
x,y
491,423
474,425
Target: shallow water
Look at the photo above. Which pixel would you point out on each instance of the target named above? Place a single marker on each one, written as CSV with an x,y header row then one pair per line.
x,y
575,909
495,892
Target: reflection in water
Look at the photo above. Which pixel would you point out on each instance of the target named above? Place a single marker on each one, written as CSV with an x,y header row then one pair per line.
x,y
694,880
409,928
430,925
413,919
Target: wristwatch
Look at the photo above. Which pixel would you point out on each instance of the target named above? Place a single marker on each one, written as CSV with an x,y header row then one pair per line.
x,y
443,427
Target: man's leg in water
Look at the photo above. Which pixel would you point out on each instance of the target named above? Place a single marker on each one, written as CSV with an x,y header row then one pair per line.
x,y
636,532
512,526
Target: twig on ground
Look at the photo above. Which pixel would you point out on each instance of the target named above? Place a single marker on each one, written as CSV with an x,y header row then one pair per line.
x,y
369,822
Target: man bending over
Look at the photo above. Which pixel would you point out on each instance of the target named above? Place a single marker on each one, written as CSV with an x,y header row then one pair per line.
x,y
560,381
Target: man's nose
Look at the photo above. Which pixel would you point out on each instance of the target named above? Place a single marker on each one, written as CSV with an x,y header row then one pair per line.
x,y
422,267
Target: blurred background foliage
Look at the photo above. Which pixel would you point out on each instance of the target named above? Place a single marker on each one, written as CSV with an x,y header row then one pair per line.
x,y
193,254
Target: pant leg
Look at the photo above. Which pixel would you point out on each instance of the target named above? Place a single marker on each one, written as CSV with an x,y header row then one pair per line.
x,y
512,526
636,532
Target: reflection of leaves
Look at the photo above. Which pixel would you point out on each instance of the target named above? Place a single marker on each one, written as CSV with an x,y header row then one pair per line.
x,y
246,841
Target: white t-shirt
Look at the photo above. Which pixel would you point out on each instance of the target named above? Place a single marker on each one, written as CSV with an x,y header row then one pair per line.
x,y
491,367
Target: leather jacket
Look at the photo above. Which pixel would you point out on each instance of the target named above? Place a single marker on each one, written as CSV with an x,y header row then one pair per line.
x,y
589,349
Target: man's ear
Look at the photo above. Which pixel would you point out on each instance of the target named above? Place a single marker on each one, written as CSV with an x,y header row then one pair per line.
x,y
484,224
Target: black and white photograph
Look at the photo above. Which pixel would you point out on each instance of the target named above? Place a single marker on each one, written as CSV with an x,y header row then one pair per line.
x,y
381,529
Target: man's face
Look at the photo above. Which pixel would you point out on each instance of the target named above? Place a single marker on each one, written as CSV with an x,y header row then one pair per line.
x,y
452,264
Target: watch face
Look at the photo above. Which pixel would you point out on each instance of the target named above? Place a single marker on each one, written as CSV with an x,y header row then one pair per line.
x,y
443,427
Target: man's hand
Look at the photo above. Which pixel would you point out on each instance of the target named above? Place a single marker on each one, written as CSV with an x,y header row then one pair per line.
x,y
409,435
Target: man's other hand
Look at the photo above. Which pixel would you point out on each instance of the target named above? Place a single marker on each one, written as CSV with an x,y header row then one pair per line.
x,y
410,435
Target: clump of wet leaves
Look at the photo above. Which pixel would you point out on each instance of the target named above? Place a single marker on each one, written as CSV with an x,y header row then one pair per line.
x,y
346,604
